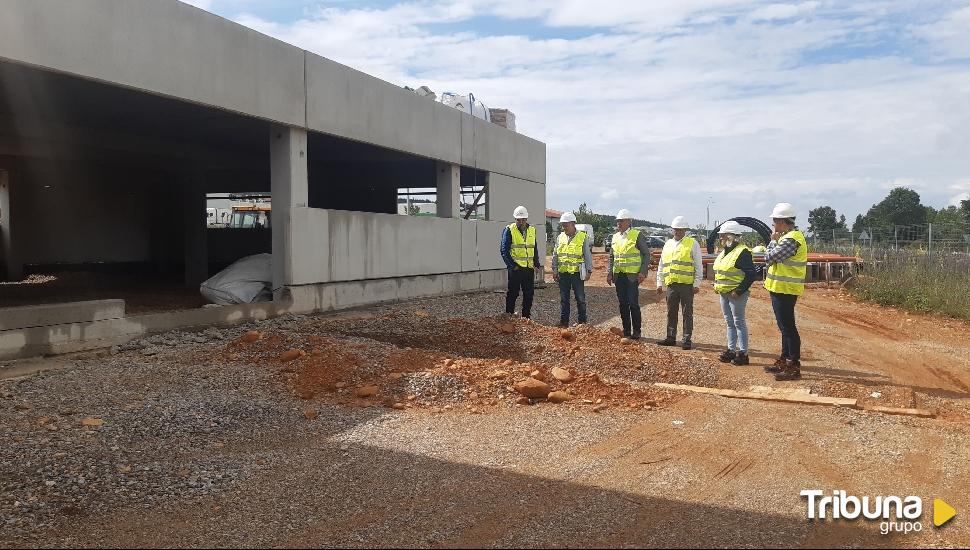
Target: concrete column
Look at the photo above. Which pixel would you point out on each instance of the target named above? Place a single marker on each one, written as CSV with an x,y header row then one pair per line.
x,y
290,189
193,203
448,180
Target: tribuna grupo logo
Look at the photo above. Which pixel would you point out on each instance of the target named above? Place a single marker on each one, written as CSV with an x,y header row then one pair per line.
x,y
895,514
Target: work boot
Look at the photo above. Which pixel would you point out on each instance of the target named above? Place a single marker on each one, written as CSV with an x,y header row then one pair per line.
x,y
667,342
777,366
687,344
741,359
727,356
792,371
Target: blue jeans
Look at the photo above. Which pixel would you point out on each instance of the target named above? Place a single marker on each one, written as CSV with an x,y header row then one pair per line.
x,y
567,282
737,325
791,342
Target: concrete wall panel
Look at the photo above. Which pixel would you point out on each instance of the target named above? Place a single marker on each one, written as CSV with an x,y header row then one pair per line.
x,y
364,245
489,242
163,47
311,256
500,150
468,141
506,192
348,103
469,245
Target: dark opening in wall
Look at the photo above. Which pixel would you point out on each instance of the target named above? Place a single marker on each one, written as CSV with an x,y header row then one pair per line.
x,y
348,175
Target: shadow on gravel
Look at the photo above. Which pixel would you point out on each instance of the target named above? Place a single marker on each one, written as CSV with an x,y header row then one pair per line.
x,y
373,497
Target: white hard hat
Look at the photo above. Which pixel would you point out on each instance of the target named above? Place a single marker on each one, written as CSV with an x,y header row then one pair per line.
x,y
624,214
679,223
783,210
567,217
732,227
520,212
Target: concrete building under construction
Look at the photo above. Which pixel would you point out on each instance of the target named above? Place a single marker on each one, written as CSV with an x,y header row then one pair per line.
x,y
119,117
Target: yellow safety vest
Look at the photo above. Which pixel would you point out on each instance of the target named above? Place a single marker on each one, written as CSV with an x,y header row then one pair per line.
x,y
570,253
626,256
678,264
788,277
523,249
727,276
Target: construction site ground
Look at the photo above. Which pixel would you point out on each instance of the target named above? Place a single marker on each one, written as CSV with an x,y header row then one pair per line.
x,y
398,425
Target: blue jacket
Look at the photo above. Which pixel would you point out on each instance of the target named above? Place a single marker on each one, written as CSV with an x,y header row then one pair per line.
x,y
506,247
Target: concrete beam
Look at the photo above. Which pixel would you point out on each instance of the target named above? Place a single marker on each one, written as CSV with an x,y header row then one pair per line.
x,y
57,314
448,182
289,189
346,294
81,336
163,47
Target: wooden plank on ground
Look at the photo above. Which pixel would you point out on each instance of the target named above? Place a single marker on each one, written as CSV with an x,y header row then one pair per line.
x,y
769,389
922,413
780,396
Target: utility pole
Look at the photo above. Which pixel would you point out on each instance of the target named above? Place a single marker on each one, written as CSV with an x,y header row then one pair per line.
x,y
931,239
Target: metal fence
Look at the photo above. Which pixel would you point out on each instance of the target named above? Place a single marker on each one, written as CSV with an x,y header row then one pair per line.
x,y
928,237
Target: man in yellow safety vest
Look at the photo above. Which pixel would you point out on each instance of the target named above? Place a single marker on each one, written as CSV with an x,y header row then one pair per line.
x,y
680,273
572,263
787,261
628,265
521,256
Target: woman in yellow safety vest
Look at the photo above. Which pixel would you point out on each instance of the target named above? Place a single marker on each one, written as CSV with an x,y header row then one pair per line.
x,y
787,261
733,274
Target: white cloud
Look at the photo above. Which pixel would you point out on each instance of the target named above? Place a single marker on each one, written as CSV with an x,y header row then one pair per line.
x,y
949,36
662,105
782,11
963,192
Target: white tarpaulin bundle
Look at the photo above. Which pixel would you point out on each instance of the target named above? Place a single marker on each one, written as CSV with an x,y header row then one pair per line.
x,y
466,103
246,281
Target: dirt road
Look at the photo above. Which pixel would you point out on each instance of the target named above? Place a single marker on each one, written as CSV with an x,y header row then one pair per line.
x,y
213,443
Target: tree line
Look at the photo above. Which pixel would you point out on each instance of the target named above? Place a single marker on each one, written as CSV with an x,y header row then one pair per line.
x,y
901,207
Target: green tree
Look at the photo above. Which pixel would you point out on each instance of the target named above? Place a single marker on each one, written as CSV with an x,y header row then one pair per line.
x,y
950,215
584,215
413,210
901,207
965,208
823,220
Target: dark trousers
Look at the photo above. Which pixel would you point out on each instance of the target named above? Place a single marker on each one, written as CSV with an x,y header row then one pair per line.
x,y
571,282
522,278
680,296
628,293
791,342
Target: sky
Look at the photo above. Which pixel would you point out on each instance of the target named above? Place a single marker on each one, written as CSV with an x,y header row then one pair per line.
x,y
676,107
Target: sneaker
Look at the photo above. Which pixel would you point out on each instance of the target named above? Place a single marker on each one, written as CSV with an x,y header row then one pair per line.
x,y
727,356
635,336
792,371
741,359
563,324
687,344
777,366
667,342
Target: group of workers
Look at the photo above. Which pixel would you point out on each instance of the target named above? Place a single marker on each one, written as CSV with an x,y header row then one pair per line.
x,y
679,276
